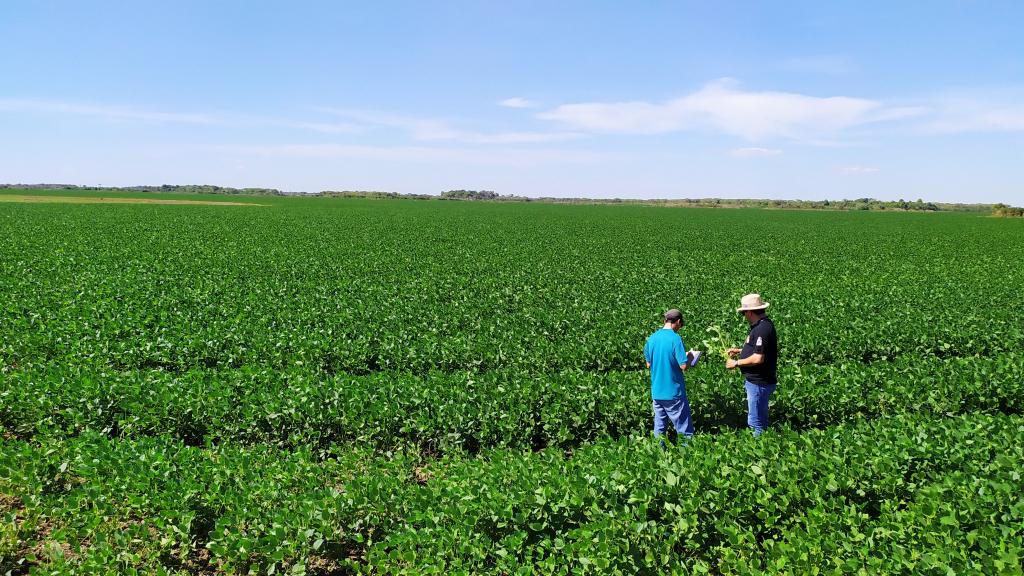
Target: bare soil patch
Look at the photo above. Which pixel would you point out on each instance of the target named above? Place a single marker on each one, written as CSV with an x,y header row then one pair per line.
x,y
8,502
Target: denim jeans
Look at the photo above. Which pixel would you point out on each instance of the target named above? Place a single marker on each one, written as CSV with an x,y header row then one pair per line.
x,y
676,411
757,406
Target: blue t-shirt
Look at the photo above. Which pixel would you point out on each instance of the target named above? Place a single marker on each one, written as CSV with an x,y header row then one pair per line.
x,y
665,352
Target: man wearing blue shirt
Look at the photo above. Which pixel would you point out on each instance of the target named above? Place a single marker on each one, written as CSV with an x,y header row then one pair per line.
x,y
667,358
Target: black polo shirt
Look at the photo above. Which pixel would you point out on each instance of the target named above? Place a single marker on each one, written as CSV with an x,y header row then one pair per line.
x,y
762,340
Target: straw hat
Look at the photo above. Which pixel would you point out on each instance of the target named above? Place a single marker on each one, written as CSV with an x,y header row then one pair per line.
x,y
752,302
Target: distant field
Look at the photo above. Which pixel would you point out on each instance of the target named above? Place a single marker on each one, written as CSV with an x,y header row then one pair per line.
x,y
378,386
109,200
72,196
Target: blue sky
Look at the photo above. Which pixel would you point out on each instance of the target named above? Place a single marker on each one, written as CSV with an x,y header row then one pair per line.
x,y
601,99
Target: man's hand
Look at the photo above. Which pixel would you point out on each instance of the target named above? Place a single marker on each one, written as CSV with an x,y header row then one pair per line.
x,y
689,358
733,351
730,364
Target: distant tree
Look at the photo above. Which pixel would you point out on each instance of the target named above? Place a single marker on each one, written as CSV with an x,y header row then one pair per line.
x,y
469,195
1006,211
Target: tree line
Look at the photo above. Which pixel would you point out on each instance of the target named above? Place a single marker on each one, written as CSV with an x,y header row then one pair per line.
x,y
1006,211
860,204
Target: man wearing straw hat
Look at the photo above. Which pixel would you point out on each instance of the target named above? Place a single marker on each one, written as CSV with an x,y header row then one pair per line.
x,y
758,360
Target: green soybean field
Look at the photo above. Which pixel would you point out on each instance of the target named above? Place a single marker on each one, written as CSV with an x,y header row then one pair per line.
x,y
359,386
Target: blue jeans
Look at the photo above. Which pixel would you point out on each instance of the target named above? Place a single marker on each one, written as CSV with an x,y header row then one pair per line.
x,y
757,406
677,411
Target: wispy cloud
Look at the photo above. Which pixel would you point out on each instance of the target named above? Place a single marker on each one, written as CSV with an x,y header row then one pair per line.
x,y
856,170
324,127
978,111
517,103
755,152
426,154
422,129
105,111
118,113
431,129
721,107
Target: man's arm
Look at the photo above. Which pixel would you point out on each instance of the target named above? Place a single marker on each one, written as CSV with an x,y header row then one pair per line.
x,y
682,356
752,360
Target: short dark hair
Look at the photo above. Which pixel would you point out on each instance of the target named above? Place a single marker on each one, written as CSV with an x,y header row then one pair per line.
x,y
673,315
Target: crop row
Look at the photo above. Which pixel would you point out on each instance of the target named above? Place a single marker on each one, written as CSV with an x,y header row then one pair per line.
x,y
444,413
898,495
360,286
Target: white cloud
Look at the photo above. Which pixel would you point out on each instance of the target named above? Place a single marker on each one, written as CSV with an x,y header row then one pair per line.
x,y
515,137
327,128
423,129
106,112
426,154
125,113
430,129
721,107
978,111
420,128
855,169
517,103
755,152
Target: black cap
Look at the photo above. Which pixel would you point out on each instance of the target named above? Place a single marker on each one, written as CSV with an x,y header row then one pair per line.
x,y
673,315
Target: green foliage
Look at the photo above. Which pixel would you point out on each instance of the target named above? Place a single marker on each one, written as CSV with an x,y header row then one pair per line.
x,y
465,412
899,495
347,385
346,286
